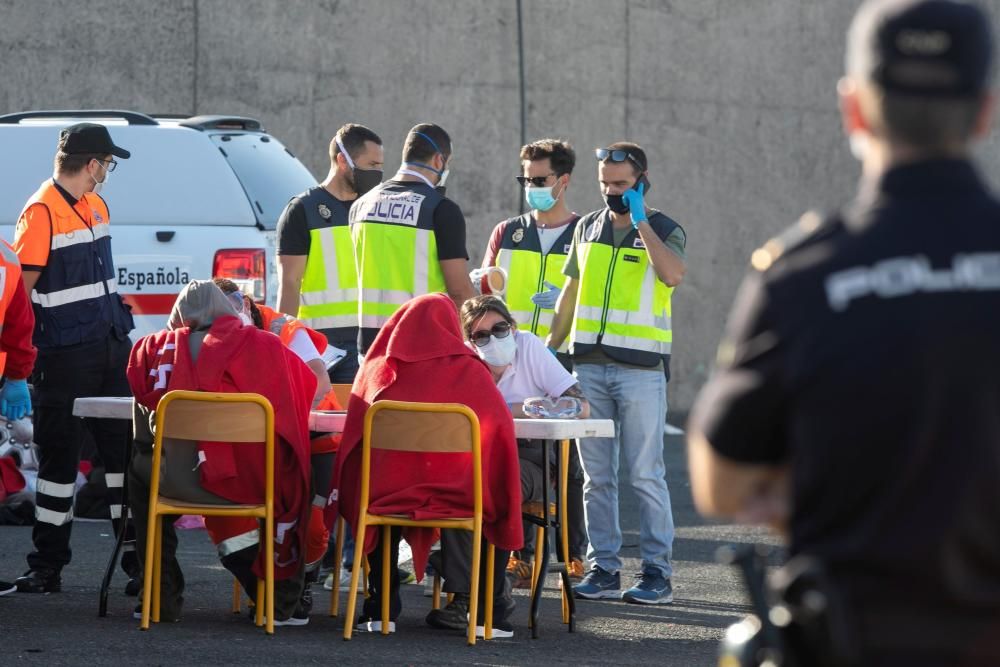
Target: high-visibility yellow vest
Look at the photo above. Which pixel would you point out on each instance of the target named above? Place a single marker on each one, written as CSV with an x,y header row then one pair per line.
x,y
328,299
621,306
395,250
520,255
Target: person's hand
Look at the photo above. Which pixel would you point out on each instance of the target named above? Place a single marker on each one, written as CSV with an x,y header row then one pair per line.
x,y
636,204
15,401
548,298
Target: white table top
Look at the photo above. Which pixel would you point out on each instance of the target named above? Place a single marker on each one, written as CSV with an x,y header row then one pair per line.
x,y
114,407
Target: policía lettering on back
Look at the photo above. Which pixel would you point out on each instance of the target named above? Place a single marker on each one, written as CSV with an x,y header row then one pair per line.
x,y
400,208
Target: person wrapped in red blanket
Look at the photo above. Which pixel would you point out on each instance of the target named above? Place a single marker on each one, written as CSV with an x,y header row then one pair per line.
x,y
207,348
420,355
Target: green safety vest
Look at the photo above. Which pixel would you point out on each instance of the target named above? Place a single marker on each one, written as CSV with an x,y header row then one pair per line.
x,y
621,306
396,251
520,255
328,299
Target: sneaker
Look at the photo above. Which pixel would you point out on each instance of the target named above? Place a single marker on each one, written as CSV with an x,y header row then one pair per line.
x,y
501,630
651,587
518,572
133,586
453,616
298,618
7,587
39,581
345,581
165,617
365,624
599,584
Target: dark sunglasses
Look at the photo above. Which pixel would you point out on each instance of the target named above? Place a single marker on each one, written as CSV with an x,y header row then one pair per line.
x,y
498,330
537,181
603,154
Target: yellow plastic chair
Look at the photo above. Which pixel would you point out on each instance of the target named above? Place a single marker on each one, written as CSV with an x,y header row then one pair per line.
x,y
422,427
194,415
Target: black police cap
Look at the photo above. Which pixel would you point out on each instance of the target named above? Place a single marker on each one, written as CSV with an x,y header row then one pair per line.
x,y
89,138
934,48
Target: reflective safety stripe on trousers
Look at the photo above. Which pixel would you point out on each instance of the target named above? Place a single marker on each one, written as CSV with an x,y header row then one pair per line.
x,y
329,294
395,264
620,302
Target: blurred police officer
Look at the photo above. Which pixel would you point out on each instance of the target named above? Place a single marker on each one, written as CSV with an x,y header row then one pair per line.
x,y
623,266
82,324
316,273
856,397
409,238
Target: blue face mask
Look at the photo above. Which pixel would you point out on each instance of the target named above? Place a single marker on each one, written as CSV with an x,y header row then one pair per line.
x,y
540,199
442,174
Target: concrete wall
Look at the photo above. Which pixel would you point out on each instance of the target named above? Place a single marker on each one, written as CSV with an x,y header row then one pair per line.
x,y
734,100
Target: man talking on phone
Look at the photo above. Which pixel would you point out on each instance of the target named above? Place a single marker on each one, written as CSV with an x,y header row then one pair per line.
x,y
622,268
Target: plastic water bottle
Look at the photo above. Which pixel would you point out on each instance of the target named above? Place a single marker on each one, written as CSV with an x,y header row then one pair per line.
x,y
564,407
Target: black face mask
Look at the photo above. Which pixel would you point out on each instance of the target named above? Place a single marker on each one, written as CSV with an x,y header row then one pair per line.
x,y
616,203
364,180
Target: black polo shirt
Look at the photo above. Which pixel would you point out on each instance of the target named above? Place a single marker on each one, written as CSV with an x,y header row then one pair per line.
x,y
864,351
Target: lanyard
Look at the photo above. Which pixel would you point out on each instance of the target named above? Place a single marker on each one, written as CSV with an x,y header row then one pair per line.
x,y
423,178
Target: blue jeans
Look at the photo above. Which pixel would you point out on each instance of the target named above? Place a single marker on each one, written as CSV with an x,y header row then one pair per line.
x,y
636,400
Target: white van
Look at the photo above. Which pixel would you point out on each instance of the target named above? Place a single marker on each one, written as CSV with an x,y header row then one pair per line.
x,y
199,198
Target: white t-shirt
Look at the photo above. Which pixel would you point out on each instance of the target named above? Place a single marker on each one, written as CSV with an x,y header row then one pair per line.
x,y
534,372
302,345
547,237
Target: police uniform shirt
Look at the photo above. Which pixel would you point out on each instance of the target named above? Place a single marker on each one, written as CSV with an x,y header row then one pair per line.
x,y
293,225
864,351
449,226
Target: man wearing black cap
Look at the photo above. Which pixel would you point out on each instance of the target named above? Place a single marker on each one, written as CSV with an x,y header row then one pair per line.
x,y
855,404
81,332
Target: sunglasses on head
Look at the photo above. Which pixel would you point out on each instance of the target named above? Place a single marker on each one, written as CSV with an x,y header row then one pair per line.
x,y
603,154
537,181
498,330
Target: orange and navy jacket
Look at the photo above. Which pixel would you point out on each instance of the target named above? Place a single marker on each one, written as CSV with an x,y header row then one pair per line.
x,y
76,298
284,327
17,354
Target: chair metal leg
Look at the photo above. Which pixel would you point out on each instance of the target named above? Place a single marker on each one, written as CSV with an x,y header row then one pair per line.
x,y
536,595
386,539
268,539
157,567
338,555
237,596
477,537
490,564
147,581
352,594
568,603
366,571
258,610
109,571
436,601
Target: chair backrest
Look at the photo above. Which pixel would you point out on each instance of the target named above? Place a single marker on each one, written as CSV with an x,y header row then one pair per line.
x,y
422,427
343,393
217,417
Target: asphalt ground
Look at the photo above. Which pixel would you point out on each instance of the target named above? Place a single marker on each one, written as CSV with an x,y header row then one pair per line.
x,y
64,629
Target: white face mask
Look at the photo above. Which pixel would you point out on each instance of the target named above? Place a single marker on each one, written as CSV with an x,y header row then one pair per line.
x,y
499,351
98,185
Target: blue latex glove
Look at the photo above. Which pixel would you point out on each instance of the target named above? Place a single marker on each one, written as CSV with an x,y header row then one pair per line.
x,y
548,298
636,204
15,401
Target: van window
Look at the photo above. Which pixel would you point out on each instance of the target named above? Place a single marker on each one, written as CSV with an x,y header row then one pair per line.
x,y
269,174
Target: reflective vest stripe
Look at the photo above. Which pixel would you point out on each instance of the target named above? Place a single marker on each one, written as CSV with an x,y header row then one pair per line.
x,y
73,294
78,236
329,283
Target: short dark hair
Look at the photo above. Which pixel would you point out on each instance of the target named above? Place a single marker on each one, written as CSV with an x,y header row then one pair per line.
x,y
417,148
477,306
73,163
929,124
635,150
353,136
560,154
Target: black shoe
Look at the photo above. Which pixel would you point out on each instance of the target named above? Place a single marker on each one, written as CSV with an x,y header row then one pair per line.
x,y
39,581
7,587
133,586
454,616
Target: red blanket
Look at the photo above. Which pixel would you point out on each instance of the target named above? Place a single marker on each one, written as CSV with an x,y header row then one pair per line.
x,y
419,355
231,359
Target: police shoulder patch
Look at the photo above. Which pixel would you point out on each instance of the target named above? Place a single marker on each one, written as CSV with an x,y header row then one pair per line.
x,y
764,256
